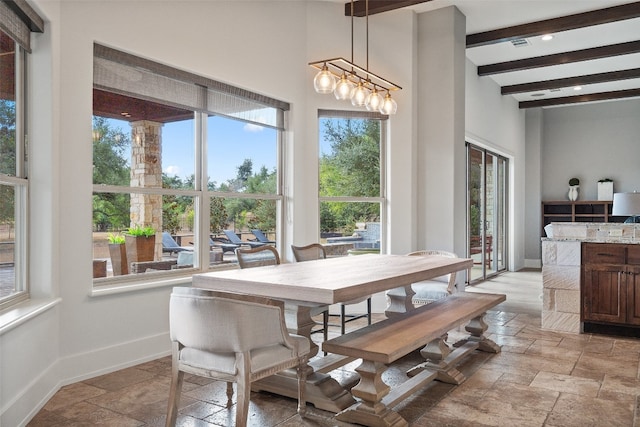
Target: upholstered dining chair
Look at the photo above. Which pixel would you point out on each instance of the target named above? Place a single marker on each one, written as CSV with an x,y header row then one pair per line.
x,y
431,290
257,257
233,338
317,251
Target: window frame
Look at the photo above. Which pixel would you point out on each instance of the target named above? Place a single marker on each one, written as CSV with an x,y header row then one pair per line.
x,y
217,94
382,198
20,183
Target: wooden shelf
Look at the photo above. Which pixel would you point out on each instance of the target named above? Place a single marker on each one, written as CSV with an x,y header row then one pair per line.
x,y
578,211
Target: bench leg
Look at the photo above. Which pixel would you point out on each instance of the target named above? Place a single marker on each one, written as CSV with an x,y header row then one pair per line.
x,y
476,328
440,359
371,389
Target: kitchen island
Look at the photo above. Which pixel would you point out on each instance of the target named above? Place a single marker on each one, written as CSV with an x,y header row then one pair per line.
x,y
562,263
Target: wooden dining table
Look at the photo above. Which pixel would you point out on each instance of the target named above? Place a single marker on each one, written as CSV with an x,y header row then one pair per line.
x,y
305,286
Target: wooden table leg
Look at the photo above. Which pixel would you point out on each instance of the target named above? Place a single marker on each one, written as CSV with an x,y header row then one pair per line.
x,y
371,389
322,390
399,300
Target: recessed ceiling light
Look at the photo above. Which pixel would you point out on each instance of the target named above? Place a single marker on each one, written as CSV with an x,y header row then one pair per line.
x,y
547,37
577,88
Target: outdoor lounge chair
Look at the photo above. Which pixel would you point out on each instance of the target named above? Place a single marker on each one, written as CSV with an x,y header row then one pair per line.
x,y
224,244
233,238
170,246
262,238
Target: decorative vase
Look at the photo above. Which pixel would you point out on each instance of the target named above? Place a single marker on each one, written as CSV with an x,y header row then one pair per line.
x,y
605,190
573,192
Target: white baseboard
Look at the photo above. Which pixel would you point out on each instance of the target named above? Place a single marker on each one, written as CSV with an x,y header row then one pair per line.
x,y
79,367
532,263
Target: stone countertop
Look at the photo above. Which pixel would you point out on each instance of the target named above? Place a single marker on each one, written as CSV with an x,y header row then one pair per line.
x,y
594,232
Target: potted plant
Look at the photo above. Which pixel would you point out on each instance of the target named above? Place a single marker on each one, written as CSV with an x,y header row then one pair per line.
x,y
140,243
118,254
574,185
605,189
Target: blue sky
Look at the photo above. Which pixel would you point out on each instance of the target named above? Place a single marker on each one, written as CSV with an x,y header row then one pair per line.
x,y
229,143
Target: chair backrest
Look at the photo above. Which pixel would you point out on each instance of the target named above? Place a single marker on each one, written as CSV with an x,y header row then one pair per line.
x,y
223,322
167,241
257,257
449,278
309,252
233,237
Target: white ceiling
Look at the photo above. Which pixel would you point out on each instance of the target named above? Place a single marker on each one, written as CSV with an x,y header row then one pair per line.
x,y
485,15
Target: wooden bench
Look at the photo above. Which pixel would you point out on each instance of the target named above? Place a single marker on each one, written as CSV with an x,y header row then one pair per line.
x,y
385,342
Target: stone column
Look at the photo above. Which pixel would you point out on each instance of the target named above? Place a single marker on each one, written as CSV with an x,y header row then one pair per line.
x,y
146,171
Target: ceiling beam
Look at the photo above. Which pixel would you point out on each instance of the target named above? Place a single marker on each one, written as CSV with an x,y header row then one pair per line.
x,y
591,97
378,6
560,58
587,79
555,25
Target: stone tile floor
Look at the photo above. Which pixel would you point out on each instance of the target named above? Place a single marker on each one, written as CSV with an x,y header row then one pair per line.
x,y
540,378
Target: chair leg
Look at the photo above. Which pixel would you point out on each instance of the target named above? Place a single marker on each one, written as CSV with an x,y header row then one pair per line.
x,y
177,378
369,310
229,394
325,325
244,389
342,319
302,386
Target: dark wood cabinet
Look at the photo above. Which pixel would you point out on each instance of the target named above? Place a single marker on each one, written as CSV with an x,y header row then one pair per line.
x,y
610,286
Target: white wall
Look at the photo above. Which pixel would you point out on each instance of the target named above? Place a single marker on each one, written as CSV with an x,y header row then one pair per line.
x,y
591,142
236,42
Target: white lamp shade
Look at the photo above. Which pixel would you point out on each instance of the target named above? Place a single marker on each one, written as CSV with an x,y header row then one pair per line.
x,y
626,204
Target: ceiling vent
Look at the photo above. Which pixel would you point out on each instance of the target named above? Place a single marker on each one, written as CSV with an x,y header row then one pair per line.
x,y
520,42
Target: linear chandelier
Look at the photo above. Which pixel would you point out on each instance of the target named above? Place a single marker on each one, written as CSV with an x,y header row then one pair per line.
x,y
348,81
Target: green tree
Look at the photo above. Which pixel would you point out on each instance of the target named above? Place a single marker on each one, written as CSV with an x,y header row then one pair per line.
x,y
352,168
111,167
7,159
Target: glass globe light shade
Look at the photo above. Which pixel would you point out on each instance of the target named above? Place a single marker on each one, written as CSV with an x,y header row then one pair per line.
x,y
389,105
343,88
373,101
359,95
324,81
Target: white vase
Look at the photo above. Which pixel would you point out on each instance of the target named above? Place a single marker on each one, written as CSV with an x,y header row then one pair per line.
x,y
573,192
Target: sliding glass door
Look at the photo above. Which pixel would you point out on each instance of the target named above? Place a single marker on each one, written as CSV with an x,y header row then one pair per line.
x,y
487,203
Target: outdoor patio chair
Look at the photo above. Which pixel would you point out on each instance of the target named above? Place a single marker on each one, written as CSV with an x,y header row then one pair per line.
x,y
428,291
262,238
317,251
233,338
233,238
257,257
170,246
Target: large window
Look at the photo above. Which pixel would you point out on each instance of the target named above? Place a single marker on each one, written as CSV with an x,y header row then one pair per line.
x,y
351,153
13,171
182,157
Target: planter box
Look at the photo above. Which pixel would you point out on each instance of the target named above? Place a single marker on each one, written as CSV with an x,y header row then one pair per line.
x,y
140,248
99,268
119,263
605,190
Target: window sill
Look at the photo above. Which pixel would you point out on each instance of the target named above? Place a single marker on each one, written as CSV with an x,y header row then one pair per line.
x,y
150,282
24,311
